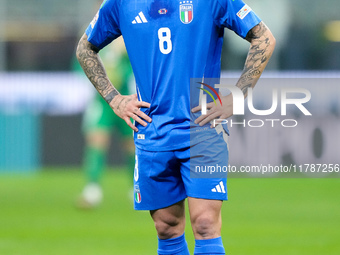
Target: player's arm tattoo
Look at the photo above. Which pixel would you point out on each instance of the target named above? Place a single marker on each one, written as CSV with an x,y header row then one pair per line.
x,y
87,55
261,49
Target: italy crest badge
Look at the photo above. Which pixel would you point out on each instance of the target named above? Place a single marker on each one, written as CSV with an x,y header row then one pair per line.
x,y
186,12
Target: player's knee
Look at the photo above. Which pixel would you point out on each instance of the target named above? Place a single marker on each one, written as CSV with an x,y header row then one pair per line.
x,y
169,228
204,226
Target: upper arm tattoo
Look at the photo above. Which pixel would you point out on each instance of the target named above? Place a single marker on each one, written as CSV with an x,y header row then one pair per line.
x,y
93,67
256,32
257,58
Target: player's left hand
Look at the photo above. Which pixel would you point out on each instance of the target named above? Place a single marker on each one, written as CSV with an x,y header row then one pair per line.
x,y
215,111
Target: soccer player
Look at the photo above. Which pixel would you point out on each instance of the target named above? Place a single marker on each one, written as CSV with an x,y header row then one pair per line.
x,y
99,122
171,44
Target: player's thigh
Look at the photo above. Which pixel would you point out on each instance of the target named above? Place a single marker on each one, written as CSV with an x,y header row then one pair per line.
x,y
157,180
205,176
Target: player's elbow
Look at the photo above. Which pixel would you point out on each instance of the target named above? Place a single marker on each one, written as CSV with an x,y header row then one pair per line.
x,y
84,48
81,47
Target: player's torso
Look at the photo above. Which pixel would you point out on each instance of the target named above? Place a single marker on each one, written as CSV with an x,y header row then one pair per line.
x,y
168,43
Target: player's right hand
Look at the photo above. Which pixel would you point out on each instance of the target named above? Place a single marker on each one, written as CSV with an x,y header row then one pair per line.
x,y
127,107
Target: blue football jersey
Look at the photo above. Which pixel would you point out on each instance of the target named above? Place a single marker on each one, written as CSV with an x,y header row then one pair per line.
x,y
170,44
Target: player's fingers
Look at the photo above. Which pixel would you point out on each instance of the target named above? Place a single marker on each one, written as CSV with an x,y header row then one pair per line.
x,y
209,118
200,119
217,121
142,115
196,109
143,104
139,120
210,105
199,108
129,123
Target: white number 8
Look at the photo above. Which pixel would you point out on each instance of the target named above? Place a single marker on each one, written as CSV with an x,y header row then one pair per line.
x,y
164,36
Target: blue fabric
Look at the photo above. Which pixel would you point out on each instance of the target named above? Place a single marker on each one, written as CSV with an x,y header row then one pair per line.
x,y
173,246
209,247
165,53
164,178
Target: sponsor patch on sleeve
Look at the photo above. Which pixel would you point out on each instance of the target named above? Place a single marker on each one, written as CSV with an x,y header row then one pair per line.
x,y
244,11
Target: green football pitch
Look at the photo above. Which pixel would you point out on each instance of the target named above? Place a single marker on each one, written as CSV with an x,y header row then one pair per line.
x,y
262,216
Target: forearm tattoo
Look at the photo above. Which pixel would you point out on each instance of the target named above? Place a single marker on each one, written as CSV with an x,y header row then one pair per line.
x,y
257,58
89,60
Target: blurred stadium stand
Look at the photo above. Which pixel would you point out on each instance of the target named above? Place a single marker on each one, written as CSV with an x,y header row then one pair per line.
x,y
41,34
37,44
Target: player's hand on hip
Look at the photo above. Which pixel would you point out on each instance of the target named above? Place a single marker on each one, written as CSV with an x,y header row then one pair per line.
x,y
127,107
215,110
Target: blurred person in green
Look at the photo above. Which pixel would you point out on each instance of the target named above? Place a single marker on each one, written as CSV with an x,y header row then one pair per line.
x,y
99,121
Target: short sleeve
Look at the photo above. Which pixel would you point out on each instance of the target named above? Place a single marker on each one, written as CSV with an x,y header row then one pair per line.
x,y
235,15
104,27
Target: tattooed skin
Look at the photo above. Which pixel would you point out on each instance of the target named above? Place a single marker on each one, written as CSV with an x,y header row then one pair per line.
x,y
124,106
123,103
259,54
89,60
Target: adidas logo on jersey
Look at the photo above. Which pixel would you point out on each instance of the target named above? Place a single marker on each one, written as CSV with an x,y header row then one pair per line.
x,y
219,188
140,18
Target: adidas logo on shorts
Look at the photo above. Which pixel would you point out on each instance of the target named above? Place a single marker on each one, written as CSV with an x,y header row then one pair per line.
x,y
219,188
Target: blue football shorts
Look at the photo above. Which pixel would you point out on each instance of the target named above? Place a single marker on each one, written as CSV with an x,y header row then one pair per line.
x,y
163,178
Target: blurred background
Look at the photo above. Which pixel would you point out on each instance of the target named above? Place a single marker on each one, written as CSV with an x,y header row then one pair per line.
x,y
41,92
43,99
